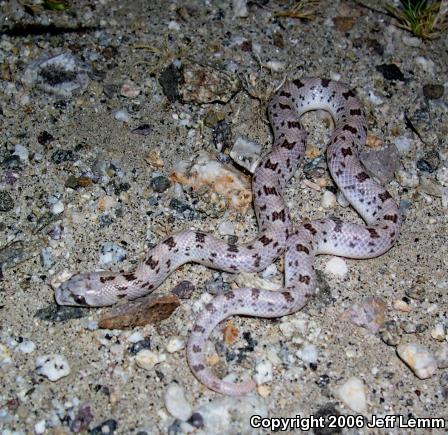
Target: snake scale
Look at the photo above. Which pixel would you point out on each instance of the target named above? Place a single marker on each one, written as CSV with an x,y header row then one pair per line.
x,y
324,236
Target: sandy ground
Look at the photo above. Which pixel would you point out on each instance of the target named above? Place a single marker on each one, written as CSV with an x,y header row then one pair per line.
x,y
54,223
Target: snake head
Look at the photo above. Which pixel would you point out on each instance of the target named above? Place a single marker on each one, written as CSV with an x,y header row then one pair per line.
x,y
86,290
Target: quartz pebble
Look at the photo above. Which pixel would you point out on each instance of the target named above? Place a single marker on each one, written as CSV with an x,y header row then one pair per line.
x,y
27,346
246,153
122,115
176,403
39,427
308,354
147,359
175,344
438,332
418,358
403,144
226,228
353,394
21,152
52,366
240,9
337,266
328,199
57,207
111,253
263,372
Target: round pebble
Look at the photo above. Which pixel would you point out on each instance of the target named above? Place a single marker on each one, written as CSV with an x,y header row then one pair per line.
x,y
160,183
147,359
129,90
175,344
433,92
176,403
353,394
438,332
53,366
226,228
418,358
40,427
337,266
27,346
308,354
328,199
196,420
122,115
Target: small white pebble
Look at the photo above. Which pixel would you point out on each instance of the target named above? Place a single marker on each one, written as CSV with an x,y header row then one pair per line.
x,y
263,372
226,228
402,306
353,394
375,99
147,359
407,178
40,427
418,358
438,332
240,9
57,207
425,64
52,366
91,325
275,65
403,144
135,337
22,152
175,344
174,25
336,266
129,90
27,346
176,403
412,41
122,115
308,354
335,76
328,199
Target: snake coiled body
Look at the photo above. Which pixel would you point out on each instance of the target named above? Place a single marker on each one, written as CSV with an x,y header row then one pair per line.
x,y
324,236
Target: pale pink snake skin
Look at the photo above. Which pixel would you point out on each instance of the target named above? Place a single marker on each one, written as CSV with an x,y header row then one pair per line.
x,y
324,236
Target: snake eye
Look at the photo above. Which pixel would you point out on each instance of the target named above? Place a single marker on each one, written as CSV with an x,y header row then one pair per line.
x,y
80,300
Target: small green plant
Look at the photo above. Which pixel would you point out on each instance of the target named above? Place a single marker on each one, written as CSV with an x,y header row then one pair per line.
x,y
302,10
425,19
56,5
